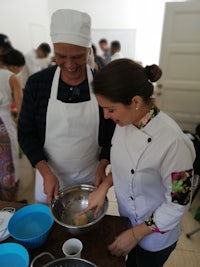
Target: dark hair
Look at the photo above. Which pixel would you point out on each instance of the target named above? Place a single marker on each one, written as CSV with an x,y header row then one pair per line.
x,y
45,48
5,42
122,79
103,41
94,49
13,57
116,44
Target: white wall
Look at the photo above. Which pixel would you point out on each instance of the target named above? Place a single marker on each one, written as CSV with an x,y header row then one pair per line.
x,y
26,22
143,15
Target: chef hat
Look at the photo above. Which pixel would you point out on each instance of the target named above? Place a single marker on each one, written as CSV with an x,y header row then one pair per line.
x,y
72,27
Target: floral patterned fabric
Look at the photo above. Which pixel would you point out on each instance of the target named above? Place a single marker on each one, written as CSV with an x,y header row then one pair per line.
x,y
8,186
152,225
181,187
148,117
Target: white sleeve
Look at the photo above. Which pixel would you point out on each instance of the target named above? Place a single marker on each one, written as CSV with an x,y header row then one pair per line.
x,y
32,65
177,174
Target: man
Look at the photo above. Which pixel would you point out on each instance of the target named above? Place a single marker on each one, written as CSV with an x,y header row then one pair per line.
x,y
35,61
115,49
103,44
61,127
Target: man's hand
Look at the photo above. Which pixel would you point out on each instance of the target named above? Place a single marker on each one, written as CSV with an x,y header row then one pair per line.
x,y
51,184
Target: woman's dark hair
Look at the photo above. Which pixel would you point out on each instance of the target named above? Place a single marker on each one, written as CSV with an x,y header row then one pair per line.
x,y
122,79
13,57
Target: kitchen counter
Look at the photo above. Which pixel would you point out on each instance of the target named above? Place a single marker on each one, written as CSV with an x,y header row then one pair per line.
x,y
94,242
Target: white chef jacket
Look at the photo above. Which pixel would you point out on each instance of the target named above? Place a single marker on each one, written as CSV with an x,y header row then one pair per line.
x,y
117,55
33,64
143,161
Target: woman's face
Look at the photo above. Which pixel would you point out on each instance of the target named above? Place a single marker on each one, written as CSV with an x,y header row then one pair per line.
x,y
118,112
72,60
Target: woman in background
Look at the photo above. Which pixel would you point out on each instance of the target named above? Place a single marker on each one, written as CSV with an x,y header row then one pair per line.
x,y
10,89
152,164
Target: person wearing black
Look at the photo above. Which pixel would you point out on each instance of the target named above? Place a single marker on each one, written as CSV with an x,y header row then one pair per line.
x,y
61,127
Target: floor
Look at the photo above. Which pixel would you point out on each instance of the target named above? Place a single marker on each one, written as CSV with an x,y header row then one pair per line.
x,y
187,252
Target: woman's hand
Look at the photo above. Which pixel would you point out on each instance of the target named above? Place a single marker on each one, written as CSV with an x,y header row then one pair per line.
x,y
123,244
100,174
127,240
97,198
95,202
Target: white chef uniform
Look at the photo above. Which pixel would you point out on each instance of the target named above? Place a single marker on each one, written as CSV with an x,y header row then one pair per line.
x,y
142,163
71,141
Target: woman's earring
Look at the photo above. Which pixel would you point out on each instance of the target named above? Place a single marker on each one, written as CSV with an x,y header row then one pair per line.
x,y
136,108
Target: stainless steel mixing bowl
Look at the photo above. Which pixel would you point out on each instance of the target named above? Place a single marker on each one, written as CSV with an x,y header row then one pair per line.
x,y
72,200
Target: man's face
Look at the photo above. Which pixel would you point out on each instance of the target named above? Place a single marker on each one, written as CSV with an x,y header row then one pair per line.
x,y
41,54
103,46
72,60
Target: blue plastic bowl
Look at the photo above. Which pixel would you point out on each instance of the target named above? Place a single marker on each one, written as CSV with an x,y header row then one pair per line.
x,y
12,254
30,225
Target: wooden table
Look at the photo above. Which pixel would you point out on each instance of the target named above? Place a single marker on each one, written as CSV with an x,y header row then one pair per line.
x,y
94,243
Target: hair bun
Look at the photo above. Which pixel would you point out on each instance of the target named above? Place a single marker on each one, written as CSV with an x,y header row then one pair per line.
x,y
153,72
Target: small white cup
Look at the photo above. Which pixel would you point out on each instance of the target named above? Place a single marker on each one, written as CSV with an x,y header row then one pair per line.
x,y
72,248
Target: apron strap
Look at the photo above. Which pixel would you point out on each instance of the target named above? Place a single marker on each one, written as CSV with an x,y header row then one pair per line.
x,y
54,86
55,82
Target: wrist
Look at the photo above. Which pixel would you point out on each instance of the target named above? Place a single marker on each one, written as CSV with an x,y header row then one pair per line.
x,y
103,163
141,230
43,168
106,184
134,235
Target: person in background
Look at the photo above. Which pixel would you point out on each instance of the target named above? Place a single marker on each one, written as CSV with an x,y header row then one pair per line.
x,y
115,49
103,44
61,127
5,44
35,61
13,61
99,62
151,163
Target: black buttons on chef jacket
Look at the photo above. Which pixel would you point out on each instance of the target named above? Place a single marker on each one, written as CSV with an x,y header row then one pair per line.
x,y
132,171
131,198
149,140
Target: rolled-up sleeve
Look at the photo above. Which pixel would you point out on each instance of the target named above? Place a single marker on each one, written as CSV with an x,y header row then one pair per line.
x,y
177,175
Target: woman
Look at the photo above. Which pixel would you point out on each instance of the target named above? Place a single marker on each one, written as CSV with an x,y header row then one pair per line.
x,y
152,164
10,89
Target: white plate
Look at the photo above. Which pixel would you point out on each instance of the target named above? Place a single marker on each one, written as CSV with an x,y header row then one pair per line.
x,y
4,219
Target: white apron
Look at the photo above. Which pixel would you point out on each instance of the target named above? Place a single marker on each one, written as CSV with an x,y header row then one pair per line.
x,y
71,141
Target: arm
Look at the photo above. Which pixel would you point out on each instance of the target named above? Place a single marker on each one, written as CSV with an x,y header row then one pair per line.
x,y
128,239
51,184
106,130
17,91
177,174
97,198
31,128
